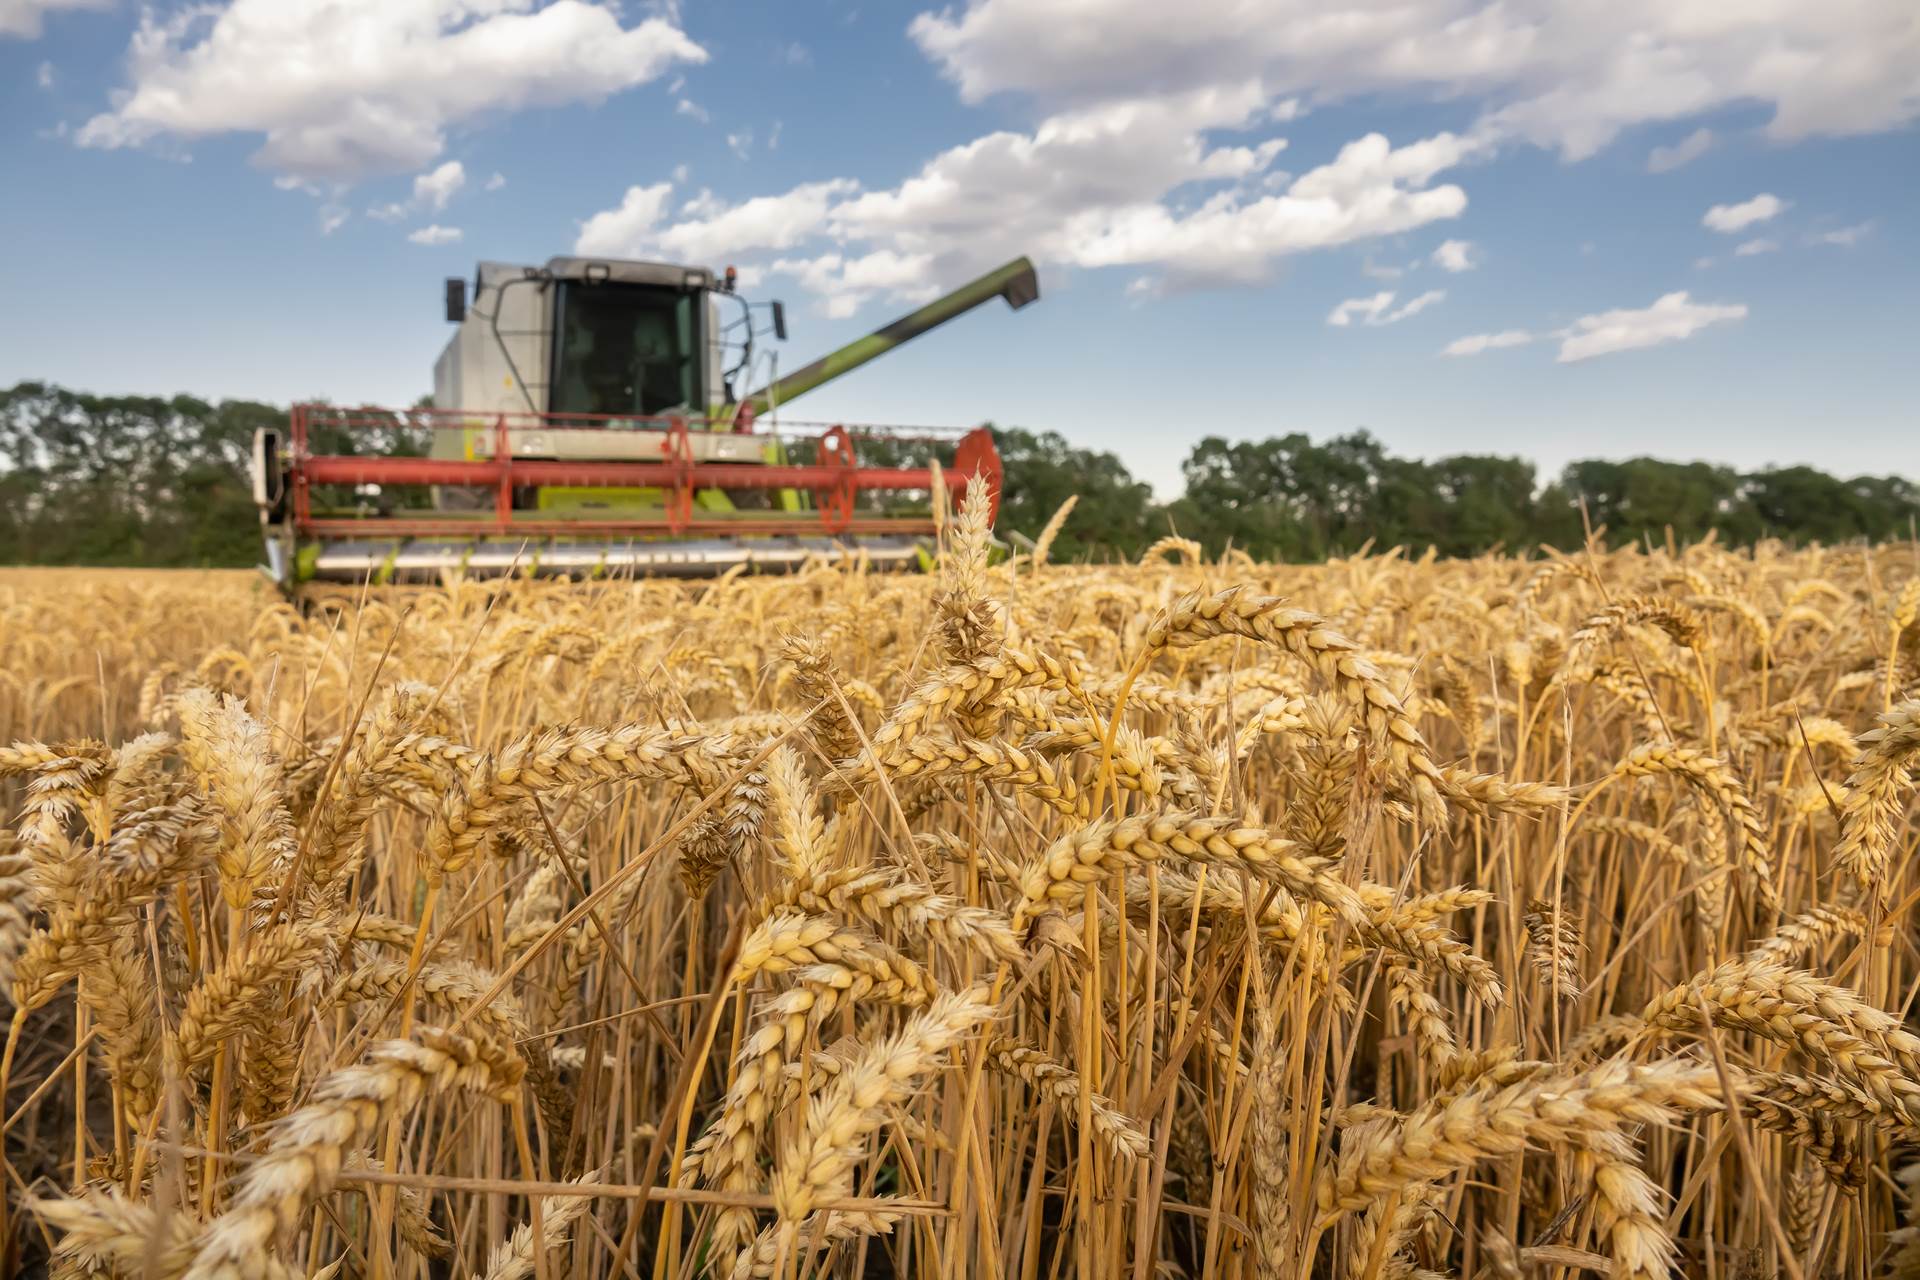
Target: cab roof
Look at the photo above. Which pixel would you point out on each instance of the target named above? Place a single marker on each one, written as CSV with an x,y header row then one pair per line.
x,y
613,270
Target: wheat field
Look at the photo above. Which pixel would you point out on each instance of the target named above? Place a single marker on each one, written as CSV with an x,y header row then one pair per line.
x,y
1389,917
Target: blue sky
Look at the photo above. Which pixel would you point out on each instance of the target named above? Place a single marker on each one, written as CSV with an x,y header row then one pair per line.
x,y
1680,227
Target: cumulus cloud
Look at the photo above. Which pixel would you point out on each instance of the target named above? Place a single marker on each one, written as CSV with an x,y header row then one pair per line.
x,y
1455,255
1013,188
692,110
1729,219
709,228
844,284
1672,318
435,234
1475,343
1571,76
624,230
1845,237
1090,188
1681,153
1753,248
343,90
431,192
1365,308
1144,184
1379,309
26,19
332,218
497,181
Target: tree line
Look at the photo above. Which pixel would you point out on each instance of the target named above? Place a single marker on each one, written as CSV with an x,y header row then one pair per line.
x,y
162,482
1293,498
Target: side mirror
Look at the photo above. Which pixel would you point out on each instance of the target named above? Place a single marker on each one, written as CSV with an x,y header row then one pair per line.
x,y
456,300
780,321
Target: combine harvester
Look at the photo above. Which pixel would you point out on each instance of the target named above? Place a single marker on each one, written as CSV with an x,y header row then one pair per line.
x,y
585,421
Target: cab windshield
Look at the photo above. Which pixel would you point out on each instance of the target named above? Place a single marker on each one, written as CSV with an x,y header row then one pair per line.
x,y
624,349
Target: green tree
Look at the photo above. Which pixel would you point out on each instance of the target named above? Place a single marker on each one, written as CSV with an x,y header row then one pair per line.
x,y
139,480
1040,470
1641,499
1801,504
1292,499
1493,501
1892,504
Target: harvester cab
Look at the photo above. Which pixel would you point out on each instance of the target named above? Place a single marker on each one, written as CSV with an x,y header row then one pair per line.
x,y
591,416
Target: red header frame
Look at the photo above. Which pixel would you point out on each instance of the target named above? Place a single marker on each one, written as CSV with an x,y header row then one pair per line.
x,y
834,481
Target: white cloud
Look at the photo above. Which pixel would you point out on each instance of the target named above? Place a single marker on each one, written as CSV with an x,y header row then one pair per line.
x,y
1845,237
843,285
435,234
431,191
342,90
680,172
1475,343
691,109
1413,306
1753,248
497,181
1671,318
1552,72
1455,255
1068,188
1681,153
1730,218
741,143
710,228
332,218
26,19
621,232
1379,309
1091,189
1369,190
1380,271
797,55
43,75
1366,308
1701,264
773,135
1140,184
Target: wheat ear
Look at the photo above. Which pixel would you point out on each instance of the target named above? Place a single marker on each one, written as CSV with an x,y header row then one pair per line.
x,y
1876,791
306,1149
1307,636
513,1259
820,1161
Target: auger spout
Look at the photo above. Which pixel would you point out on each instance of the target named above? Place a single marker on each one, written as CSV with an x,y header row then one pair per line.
x,y
1015,282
